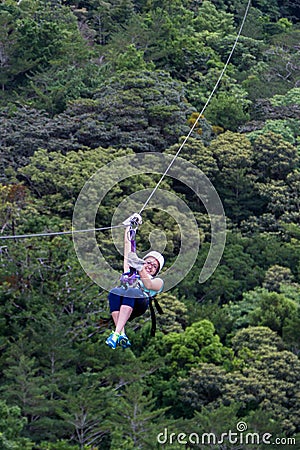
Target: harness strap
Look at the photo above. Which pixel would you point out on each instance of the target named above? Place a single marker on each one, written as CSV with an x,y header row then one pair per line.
x,y
152,313
129,279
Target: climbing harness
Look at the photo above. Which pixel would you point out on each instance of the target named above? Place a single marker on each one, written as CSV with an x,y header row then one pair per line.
x,y
152,313
131,278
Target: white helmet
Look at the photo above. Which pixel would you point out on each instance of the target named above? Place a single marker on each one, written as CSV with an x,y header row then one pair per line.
x,y
159,258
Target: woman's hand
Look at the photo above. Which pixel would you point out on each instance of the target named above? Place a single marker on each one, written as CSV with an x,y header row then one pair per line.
x,y
155,284
134,219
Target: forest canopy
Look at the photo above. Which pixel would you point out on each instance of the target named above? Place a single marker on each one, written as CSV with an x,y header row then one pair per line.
x,y
84,83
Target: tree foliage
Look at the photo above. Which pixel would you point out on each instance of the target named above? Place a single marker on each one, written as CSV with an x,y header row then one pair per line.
x,y
84,83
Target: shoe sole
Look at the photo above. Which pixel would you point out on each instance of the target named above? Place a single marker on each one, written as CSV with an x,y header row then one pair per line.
x,y
110,345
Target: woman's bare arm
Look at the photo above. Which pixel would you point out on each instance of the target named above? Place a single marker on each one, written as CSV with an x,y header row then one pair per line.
x,y
154,284
127,248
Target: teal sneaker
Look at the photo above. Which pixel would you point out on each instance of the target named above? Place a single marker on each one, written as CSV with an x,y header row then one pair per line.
x,y
123,341
113,340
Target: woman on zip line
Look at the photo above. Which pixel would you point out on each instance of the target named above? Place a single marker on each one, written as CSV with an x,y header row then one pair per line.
x,y
138,285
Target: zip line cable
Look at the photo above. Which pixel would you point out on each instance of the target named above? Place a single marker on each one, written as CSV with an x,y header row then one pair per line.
x,y
202,111
59,233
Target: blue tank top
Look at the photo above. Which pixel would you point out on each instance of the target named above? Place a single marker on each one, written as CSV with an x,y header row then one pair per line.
x,y
149,292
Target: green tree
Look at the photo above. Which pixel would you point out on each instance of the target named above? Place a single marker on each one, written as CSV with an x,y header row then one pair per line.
x,y
131,60
235,182
175,314
237,272
59,445
13,200
134,419
276,276
174,317
287,129
24,386
196,152
292,97
204,384
214,19
51,90
40,36
173,36
269,249
145,111
282,73
106,18
261,307
83,408
274,367
272,311
228,111
265,378
11,426
220,420
281,198
8,38
58,178
197,343
180,352
291,332
274,158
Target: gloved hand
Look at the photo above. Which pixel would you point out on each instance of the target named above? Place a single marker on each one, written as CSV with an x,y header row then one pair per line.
x,y
135,262
134,218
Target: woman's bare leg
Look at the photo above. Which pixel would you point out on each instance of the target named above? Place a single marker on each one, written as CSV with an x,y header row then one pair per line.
x,y
115,316
124,315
